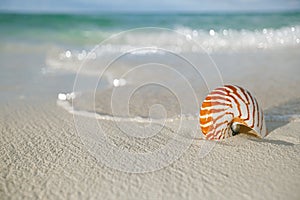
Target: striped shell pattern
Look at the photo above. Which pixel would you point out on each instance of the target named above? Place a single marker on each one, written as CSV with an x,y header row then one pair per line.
x,y
226,109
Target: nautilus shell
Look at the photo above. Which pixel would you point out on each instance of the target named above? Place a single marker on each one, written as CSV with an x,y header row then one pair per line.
x,y
228,110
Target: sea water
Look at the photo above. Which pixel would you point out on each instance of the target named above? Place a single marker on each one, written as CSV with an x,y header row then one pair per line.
x,y
154,65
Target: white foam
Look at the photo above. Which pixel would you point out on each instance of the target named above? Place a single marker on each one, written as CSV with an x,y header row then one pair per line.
x,y
63,102
182,40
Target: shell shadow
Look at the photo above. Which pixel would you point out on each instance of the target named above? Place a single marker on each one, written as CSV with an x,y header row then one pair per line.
x,y
271,125
279,115
277,142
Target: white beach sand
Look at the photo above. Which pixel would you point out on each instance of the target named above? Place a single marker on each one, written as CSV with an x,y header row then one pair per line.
x,y
43,157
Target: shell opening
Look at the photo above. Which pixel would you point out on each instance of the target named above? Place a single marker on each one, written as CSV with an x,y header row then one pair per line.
x,y
235,127
246,130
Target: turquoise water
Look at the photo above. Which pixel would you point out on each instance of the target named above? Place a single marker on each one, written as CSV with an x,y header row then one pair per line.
x,y
88,29
66,39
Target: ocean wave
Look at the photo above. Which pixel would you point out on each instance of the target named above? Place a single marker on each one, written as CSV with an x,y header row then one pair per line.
x,y
210,40
236,40
152,41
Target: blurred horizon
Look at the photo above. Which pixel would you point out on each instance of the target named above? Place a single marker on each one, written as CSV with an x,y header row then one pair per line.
x,y
149,12
143,6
